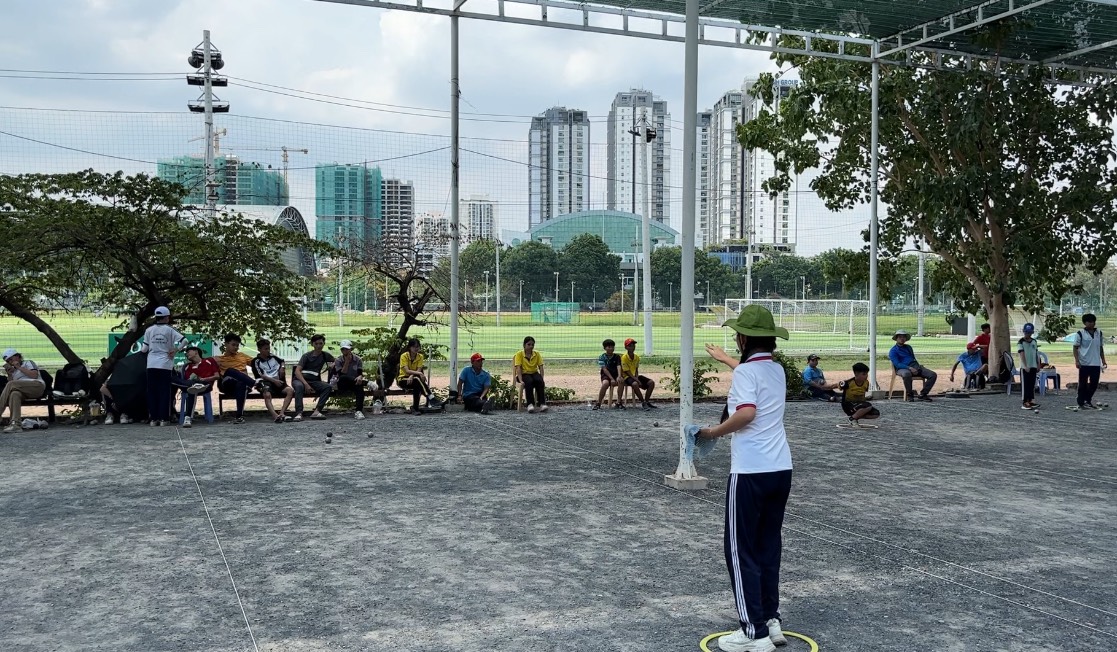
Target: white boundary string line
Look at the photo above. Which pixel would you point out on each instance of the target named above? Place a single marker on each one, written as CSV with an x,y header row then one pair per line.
x,y
216,538
844,531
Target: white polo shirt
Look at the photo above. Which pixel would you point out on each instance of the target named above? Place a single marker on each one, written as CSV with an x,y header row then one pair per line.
x,y
1089,347
761,447
159,341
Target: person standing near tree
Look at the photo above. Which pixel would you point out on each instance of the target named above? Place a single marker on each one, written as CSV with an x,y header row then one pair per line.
x,y
161,343
1028,348
1089,359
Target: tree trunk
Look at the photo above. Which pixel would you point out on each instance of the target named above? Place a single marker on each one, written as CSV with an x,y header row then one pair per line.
x,y
1000,338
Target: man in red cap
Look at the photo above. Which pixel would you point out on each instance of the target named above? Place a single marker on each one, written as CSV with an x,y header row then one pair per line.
x,y
474,384
974,367
641,386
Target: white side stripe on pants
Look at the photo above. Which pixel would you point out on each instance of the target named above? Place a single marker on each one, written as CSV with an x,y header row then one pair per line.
x,y
738,583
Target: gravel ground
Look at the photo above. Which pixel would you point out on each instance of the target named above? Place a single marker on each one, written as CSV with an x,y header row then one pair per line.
x,y
963,524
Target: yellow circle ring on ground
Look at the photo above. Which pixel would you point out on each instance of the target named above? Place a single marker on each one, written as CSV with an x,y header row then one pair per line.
x,y
810,641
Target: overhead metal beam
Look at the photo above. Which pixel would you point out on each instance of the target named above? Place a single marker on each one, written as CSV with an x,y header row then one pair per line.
x,y
1079,52
956,23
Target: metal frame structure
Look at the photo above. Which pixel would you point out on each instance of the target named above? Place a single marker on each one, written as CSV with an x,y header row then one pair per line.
x,y
897,34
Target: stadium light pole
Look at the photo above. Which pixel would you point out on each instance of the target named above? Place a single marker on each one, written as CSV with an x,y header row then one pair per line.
x,y
521,295
556,286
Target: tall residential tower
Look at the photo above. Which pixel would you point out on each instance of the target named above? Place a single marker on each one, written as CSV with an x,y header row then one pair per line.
x,y
559,172
638,171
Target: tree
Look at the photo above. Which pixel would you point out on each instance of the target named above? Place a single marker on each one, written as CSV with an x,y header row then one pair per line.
x,y
586,261
535,264
125,245
709,272
476,259
1006,176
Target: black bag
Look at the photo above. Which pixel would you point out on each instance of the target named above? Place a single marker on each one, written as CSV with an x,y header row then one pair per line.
x,y
1008,366
73,381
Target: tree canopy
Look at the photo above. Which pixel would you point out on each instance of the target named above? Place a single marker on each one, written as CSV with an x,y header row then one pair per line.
x,y
1008,177
126,245
586,261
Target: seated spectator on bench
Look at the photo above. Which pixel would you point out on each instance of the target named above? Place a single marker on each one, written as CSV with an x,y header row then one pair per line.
x,y
234,373
272,376
308,376
610,364
474,384
198,377
527,368
25,382
907,367
641,386
113,414
973,366
411,376
348,376
814,381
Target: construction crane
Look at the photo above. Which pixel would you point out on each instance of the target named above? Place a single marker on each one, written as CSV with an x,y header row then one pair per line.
x,y
286,150
217,134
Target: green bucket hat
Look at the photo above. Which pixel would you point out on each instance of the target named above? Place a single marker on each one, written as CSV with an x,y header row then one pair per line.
x,y
756,321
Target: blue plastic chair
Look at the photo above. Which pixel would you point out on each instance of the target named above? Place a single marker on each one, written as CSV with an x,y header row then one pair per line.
x,y
207,405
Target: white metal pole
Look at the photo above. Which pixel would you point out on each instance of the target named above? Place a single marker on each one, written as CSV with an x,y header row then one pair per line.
x,y
646,247
455,232
873,216
922,300
685,469
210,173
498,245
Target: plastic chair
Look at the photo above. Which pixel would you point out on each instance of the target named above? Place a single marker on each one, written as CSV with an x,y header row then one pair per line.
x,y
892,383
207,403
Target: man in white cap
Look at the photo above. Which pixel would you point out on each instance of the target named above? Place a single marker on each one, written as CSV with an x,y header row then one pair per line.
x,y
907,367
24,382
349,376
161,343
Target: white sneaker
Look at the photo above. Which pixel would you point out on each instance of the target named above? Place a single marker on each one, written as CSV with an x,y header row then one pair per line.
x,y
186,422
738,642
109,421
10,429
530,408
124,418
358,415
196,388
775,632
543,408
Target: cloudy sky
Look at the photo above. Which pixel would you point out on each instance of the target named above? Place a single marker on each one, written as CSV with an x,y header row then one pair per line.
x,y
395,64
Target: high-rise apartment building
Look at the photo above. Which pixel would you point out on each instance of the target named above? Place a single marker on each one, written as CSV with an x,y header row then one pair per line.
x,y
238,182
764,220
559,172
397,233
349,208
639,172
725,170
477,219
432,240
702,181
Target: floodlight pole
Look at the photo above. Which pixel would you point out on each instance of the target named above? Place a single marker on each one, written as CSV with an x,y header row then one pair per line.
x,y
922,299
211,173
686,476
455,232
874,223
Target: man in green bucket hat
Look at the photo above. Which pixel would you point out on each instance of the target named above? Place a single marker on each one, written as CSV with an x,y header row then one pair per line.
x,y
759,479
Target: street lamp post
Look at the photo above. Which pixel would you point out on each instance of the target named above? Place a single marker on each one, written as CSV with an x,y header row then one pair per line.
x,y
670,295
556,286
804,280
622,293
521,295
571,291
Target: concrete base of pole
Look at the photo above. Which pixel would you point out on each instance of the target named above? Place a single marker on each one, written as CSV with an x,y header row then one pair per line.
x,y
697,483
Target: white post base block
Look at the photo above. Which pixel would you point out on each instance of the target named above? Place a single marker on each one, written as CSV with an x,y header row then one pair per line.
x,y
697,483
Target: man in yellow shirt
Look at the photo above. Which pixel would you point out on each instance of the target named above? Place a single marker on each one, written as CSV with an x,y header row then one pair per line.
x,y
630,376
411,376
234,373
527,368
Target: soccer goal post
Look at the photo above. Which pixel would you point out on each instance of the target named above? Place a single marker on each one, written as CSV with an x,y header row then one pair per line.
x,y
815,324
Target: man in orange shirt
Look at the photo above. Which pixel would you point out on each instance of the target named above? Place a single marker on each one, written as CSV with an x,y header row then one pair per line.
x,y
234,373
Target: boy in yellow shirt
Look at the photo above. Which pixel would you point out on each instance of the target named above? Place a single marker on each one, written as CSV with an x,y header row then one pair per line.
x,y
527,368
630,376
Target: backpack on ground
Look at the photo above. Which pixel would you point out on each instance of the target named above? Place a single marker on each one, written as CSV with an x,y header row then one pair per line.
x,y
73,381
1008,367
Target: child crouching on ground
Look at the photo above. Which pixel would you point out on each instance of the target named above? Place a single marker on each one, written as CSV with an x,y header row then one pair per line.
x,y
854,394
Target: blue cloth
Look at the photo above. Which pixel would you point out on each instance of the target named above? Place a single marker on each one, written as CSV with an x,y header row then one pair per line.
x,y
811,374
694,444
902,356
971,362
474,383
